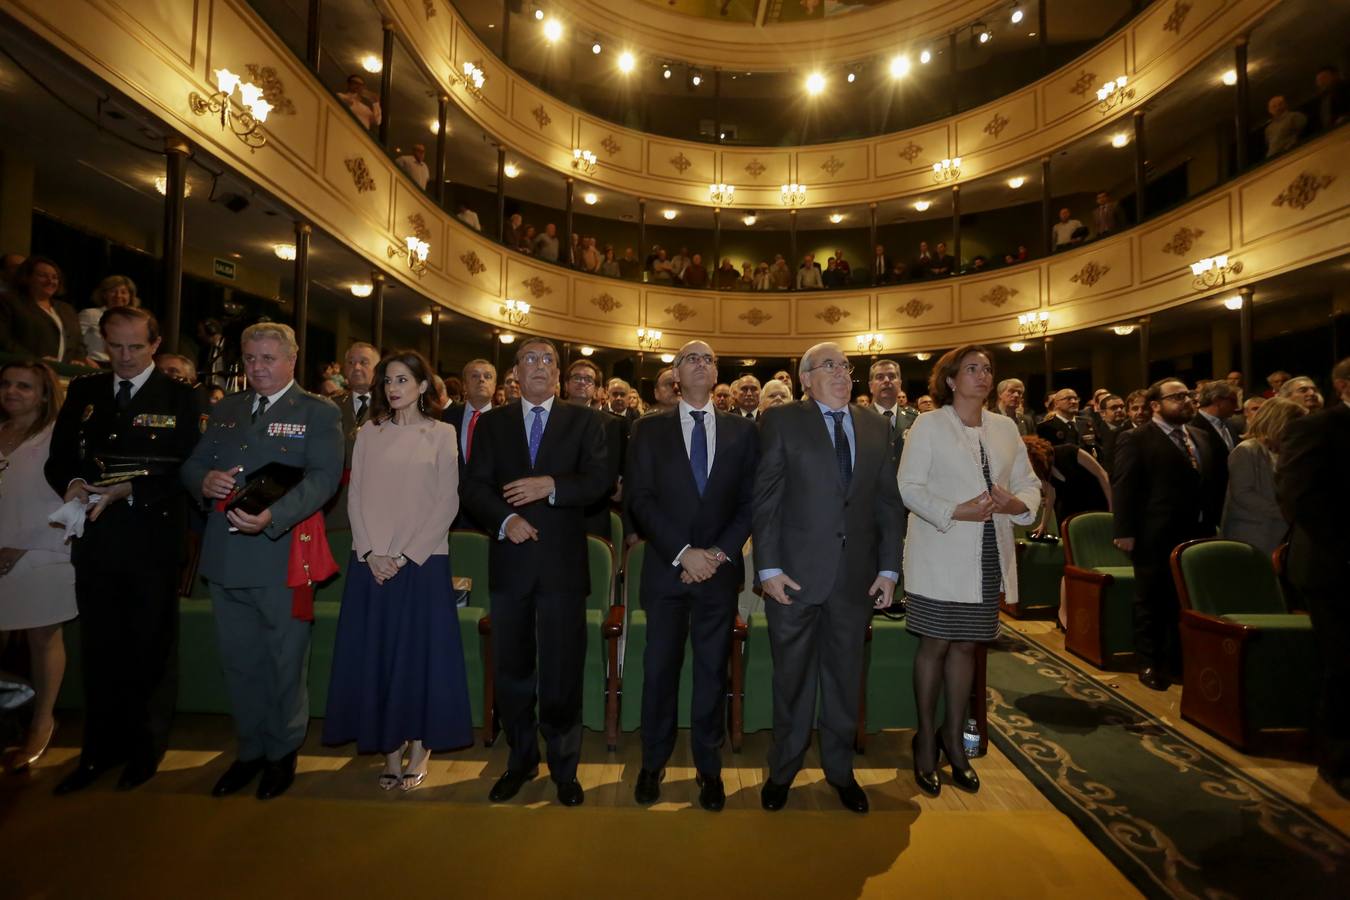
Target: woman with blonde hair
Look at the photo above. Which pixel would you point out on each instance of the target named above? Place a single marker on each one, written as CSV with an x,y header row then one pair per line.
x,y
1251,509
113,291
37,581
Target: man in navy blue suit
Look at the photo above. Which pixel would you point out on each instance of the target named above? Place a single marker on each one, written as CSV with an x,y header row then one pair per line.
x,y
690,487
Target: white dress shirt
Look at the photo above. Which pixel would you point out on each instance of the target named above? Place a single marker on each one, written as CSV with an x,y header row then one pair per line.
x,y
417,169
527,409
137,381
271,398
709,425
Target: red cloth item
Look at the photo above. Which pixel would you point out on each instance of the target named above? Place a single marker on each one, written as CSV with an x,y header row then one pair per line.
x,y
468,434
311,561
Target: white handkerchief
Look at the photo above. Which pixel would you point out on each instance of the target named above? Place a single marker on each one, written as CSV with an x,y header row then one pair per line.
x,y
71,516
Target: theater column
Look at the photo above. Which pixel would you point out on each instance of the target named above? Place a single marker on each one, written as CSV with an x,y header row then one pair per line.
x,y
792,221
438,174
377,311
1047,214
386,82
300,294
1245,337
435,356
717,243
313,42
1048,345
1140,158
565,239
175,179
1143,352
1242,103
501,194
956,227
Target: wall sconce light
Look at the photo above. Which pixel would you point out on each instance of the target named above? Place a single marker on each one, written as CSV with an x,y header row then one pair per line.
x,y
1123,330
1113,94
471,77
721,194
923,357
669,214
648,338
361,291
510,170
517,312
1033,324
162,185
1017,346
507,338
246,124
1213,271
947,170
793,194
750,219
836,218
922,205
870,343
1233,303
415,252
583,161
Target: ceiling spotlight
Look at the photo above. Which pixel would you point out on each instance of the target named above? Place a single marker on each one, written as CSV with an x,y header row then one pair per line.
x,y
587,351
980,33
1120,140
552,30
507,338
1017,15
1017,346
667,358
361,290
538,14
1233,303
372,64
925,57
426,318
696,79
900,66
1230,77
922,205
1017,182
815,84
627,62
923,357
1123,330
665,72
590,198
836,218
749,219
852,77
669,214
284,251
510,170
596,48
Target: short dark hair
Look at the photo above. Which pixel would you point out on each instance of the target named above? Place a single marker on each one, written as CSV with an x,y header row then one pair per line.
x,y
947,367
1132,396
380,410
1154,394
520,348
585,363
131,314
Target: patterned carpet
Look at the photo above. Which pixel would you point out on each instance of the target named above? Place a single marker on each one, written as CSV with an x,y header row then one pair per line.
x,y
1174,818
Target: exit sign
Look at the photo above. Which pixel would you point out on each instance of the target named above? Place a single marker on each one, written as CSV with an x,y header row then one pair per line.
x,y
223,268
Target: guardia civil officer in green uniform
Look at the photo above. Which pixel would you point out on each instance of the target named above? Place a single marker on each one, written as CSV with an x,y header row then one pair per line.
x,y
264,649
142,424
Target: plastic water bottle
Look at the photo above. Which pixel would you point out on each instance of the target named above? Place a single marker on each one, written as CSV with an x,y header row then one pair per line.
x,y
970,739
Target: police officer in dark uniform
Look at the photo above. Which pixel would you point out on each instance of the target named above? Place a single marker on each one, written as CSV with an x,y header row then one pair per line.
x,y
135,424
1064,425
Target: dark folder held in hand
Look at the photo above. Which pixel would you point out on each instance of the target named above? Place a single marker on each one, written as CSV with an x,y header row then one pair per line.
x,y
264,487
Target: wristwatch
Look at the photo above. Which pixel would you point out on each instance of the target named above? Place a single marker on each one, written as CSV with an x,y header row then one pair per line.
x,y
717,551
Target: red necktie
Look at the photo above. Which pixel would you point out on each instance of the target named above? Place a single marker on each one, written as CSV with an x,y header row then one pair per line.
x,y
468,435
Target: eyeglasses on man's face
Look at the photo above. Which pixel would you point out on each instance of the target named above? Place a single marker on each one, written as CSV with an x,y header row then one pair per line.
x,y
1178,396
533,360
698,359
831,366
581,378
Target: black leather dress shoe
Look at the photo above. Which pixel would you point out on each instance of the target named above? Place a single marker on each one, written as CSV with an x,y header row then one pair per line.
x,y
1153,678
852,796
510,784
712,795
964,778
773,797
570,793
648,788
237,777
278,775
84,775
137,773
927,781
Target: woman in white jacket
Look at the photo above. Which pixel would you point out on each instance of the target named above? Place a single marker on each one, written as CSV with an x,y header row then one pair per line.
x,y
965,479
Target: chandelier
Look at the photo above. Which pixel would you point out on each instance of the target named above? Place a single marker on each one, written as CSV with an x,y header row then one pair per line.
x,y
870,343
246,122
793,194
648,338
1033,324
414,252
1213,271
472,78
583,161
721,194
947,170
1113,94
517,312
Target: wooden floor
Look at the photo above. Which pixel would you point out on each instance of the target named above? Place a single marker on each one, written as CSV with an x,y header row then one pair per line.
x,y
1296,779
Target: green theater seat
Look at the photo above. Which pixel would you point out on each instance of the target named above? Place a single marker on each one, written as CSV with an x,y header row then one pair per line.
x,y
1040,570
1098,592
1250,665
632,668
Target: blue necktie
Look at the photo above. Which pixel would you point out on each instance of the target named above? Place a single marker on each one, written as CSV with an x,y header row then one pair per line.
x,y
536,432
841,452
698,451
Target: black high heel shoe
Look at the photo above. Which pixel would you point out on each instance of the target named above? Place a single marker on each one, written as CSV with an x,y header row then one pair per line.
x,y
927,781
965,779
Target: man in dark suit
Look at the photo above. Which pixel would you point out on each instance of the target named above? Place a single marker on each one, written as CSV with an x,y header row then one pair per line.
x,y
1010,394
262,628
1115,422
582,377
480,382
1216,402
1313,481
883,380
1163,492
943,263
358,369
828,530
881,266
690,487
534,467
923,263
1065,426
127,562
746,389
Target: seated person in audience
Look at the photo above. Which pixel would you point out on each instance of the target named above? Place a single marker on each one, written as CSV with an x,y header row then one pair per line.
x,y
177,367
415,165
1285,126
327,388
863,400
775,393
808,276
468,216
1276,381
924,404
898,272
609,266
651,257
1251,509
727,278
747,390
630,267
115,290
1009,259
695,274
923,262
780,273
978,264
1250,406
1137,409
943,263
1068,231
723,398
364,104
1022,253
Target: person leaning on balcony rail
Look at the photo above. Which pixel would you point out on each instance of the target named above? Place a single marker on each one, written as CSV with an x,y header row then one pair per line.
x,y
364,104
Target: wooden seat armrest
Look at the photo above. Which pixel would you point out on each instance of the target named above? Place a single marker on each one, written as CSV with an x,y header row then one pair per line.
x,y
1075,573
739,630
613,625
485,626
1214,625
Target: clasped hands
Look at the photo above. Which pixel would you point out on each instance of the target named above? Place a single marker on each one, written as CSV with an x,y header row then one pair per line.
x,y
382,567
996,500
219,485
81,491
698,565
520,492
776,587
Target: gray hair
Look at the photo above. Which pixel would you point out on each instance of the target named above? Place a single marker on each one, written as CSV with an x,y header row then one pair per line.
x,y
1009,382
620,382
746,377
804,365
1215,391
1287,389
272,331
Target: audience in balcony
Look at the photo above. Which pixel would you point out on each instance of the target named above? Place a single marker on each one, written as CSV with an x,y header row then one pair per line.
x,y
780,274
115,290
1108,217
1068,231
833,276
695,274
545,245
808,274
881,266
468,217
588,257
746,282
727,278
660,268
415,165
34,322
1285,127
943,263
527,240
515,231
679,262
630,267
1331,104
923,262
364,104
610,266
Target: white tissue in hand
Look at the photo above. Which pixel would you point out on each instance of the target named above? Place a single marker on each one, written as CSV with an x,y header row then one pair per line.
x,y
71,517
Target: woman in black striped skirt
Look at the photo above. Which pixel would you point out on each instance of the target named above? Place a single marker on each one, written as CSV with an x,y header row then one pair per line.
x,y
966,480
